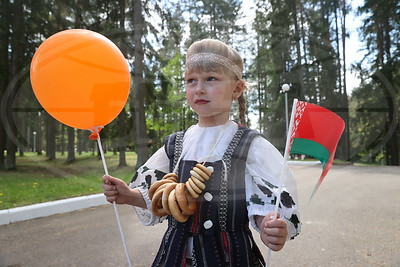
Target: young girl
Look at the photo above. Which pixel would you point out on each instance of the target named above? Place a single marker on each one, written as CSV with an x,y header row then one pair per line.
x,y
244,181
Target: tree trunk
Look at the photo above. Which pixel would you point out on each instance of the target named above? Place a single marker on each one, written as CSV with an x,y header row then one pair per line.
x,y
17,54
4,70
213,21
343,151
122,116
300,75
23,141
62,140
79,134
71,145
306,69
345,101
122,136
50,137
39,134
140,119
343,28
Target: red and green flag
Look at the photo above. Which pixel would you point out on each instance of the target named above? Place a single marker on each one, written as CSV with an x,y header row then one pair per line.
x,y
315,132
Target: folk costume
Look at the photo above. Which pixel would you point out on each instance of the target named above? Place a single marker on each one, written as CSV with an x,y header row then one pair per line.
x,y
244,184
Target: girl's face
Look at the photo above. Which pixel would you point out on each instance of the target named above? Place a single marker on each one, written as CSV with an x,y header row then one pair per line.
x,y
210,95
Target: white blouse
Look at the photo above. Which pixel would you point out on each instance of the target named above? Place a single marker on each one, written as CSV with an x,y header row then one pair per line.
x,y
263,172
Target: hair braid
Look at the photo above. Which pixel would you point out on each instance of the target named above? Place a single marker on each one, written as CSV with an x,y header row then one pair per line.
x,y
242,109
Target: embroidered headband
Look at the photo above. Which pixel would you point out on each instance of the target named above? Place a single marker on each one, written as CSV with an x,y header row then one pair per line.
x,y
211,57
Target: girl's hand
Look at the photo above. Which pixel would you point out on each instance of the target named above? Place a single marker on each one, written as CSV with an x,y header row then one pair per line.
x,y
273,233
116,190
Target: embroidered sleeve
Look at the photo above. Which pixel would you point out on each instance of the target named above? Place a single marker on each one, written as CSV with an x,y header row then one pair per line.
x,y
154,169
263,171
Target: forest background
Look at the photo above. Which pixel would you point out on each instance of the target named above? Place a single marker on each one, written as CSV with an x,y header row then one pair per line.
x,y
298,42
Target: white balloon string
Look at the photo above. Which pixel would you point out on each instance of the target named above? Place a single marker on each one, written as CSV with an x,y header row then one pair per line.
x,y
102,155
114,204
122,234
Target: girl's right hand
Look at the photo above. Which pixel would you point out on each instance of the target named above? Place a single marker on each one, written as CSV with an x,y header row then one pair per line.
x,y
116,190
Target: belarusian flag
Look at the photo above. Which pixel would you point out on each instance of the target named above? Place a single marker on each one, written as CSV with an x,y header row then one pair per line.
x,y
315,132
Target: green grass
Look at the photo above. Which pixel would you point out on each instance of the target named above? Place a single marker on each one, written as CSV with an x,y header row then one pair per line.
x,y
40,180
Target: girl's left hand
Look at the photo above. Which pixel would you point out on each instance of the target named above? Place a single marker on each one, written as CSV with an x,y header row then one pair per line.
x,y
273,233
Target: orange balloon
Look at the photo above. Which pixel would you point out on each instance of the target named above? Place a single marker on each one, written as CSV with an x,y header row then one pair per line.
x,y
80,78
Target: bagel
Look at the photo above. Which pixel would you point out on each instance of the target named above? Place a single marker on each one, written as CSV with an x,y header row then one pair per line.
x,y
171,176
198,183
174,208
200,172
165,195
205,169
194,186
191,191
156,205
186,202
196,175
156,185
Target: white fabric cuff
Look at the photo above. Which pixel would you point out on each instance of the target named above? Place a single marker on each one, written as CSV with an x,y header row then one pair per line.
x,y
260,211
145,215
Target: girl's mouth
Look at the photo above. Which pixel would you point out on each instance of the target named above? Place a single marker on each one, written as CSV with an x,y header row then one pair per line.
x,y
201,101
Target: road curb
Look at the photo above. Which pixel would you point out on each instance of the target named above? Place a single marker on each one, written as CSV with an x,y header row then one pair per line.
x,y
50,208
303,163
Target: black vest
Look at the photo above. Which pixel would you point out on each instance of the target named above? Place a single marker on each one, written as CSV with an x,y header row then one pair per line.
x,y
220,226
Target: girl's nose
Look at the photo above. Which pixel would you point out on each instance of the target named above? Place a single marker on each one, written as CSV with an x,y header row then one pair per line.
x,y
200,88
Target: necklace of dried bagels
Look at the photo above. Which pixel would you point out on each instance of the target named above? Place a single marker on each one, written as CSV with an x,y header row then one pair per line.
x,y
178,199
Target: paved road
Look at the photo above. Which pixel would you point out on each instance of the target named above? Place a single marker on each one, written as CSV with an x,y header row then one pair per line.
x,y
353,220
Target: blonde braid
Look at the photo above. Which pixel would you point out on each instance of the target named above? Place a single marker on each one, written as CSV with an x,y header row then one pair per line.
x,y
242,109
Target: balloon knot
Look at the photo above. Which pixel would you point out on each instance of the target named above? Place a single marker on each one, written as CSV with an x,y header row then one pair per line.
x,y
95,132
93,136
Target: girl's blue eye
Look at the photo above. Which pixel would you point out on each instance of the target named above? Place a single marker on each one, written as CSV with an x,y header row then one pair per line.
x,y
209,79
189,80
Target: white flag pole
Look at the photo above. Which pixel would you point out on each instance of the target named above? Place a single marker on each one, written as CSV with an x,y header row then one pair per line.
x,y
290,131
284,166
114,204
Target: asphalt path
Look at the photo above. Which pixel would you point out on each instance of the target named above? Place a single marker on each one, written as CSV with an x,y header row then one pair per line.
x,y
353,220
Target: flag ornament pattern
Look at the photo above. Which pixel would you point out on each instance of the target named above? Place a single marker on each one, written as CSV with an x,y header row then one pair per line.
x,y
316,132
